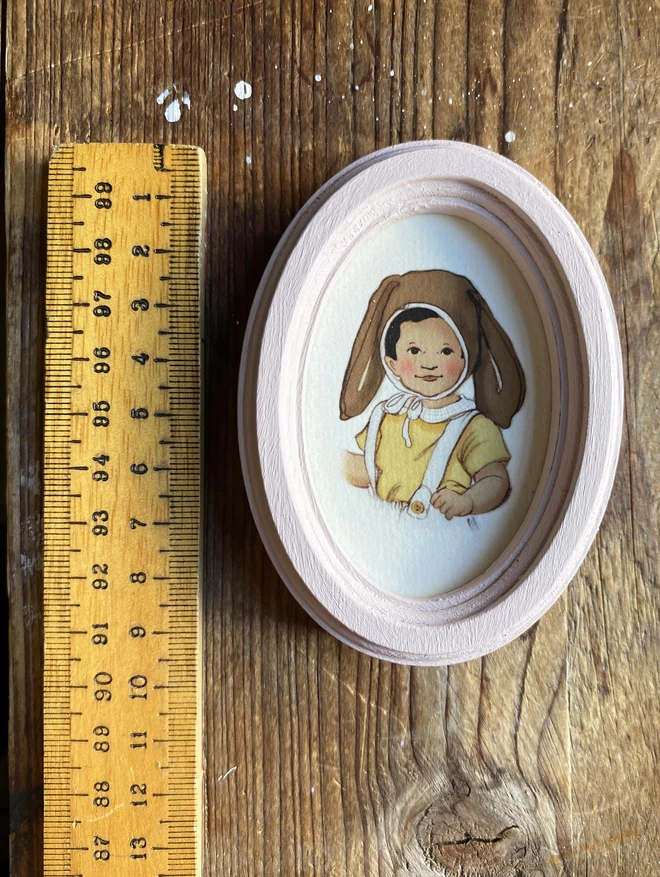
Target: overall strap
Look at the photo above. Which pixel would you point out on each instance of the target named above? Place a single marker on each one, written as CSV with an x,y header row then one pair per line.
x,y
444,448
371,441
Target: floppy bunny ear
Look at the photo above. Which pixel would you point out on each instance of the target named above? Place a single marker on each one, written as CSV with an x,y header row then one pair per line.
x,y
365,370
499,380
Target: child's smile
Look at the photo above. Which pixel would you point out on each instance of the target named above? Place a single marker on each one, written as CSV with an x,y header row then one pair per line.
x,y
429,359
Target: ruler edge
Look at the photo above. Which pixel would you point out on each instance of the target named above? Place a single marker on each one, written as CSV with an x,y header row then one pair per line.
x,y
57,160
58,155
201,675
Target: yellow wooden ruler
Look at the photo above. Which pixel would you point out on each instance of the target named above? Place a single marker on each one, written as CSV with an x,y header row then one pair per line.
x,y
122,783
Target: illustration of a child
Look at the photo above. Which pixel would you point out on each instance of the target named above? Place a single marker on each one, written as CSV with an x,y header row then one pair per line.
x,y
428,445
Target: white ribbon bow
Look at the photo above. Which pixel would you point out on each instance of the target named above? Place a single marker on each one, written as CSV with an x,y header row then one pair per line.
x,y
408,403
413,406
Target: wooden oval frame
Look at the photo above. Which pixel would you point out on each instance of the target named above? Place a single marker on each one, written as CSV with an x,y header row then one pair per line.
x,y
562,272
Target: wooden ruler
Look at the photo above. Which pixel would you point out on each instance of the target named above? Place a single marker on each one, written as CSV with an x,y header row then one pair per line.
x,y
122,511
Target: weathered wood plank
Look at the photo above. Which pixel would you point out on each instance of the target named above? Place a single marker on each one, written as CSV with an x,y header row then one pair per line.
x,y
610,162
540,759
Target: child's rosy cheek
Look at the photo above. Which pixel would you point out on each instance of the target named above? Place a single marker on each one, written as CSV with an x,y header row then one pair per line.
x,y
407,367
454,368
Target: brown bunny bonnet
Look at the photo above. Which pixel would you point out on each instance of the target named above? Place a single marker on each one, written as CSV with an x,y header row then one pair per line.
x,y
499,381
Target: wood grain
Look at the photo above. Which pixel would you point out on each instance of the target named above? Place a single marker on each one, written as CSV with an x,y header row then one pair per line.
x,y
540,759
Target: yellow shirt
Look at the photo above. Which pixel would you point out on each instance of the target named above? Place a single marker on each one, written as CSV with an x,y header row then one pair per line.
x,y
402,469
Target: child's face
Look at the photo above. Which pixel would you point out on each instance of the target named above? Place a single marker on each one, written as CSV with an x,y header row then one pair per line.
x,y
429,359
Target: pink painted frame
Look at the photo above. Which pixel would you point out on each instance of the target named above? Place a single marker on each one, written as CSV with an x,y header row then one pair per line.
x,y
570,291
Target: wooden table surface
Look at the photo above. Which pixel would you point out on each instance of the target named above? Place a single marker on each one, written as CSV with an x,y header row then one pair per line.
x,y
541,759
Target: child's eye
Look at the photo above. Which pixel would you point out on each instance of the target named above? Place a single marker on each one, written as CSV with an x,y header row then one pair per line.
x,y
414,350
447,351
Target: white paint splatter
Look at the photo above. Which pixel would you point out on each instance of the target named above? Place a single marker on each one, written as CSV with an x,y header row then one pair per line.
x,y
243,90
173,111
30,478
318,77
230,771
510,136
369,8
450,101
391,72
248,159
31,616
27,565
235,107
589,63
165,94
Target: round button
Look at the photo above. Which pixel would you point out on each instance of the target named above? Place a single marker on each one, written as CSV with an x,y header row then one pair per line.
x,y
417,507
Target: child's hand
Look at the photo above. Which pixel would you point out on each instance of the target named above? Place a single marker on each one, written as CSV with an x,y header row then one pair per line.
x,y
451,504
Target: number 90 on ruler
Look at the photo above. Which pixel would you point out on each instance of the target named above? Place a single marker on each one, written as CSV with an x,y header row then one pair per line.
x,y
122,511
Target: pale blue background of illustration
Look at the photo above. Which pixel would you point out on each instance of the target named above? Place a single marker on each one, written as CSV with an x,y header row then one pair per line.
x,y
396,552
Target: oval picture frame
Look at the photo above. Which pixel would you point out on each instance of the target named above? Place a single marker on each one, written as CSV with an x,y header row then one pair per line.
x,y
550,252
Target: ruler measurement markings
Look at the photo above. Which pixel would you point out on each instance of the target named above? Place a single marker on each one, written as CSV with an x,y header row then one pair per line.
x,y
158,687
56,556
